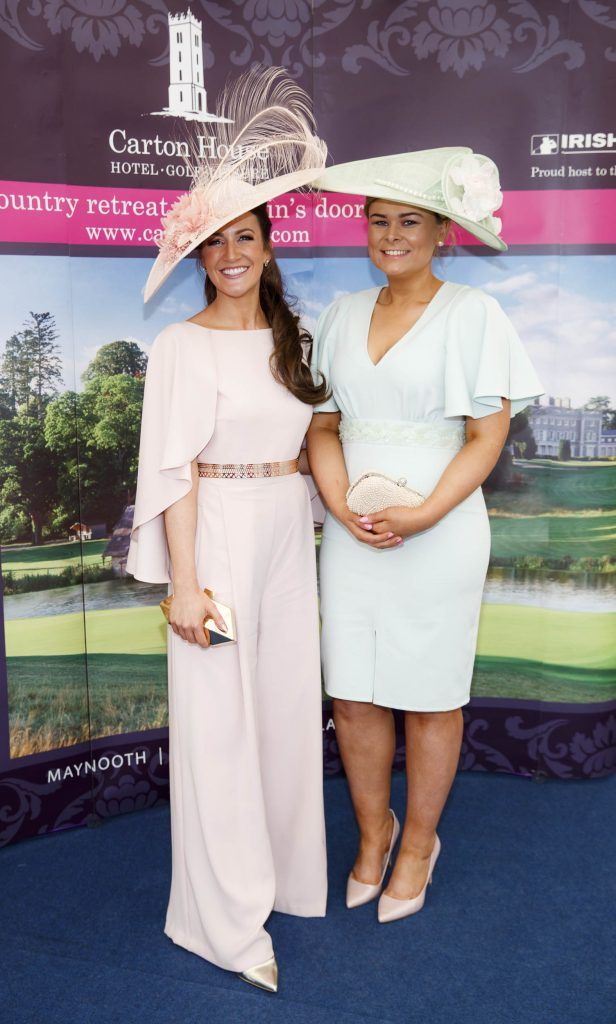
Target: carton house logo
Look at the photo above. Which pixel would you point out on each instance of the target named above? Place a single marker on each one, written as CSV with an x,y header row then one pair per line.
x,y
187,95
187,100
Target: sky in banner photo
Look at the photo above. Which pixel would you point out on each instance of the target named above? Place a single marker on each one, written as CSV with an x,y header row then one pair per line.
x,y
564,308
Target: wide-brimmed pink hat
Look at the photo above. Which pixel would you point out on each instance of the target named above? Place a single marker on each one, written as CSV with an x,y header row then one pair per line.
x,y
265,146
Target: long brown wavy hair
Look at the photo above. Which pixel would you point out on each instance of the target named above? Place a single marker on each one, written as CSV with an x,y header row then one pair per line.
x,y
292,343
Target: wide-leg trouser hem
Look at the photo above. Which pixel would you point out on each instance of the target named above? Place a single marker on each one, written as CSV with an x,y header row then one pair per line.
x,y
193,947
298,910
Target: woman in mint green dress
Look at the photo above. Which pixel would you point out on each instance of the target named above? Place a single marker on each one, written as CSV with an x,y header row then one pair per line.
x,y
424,376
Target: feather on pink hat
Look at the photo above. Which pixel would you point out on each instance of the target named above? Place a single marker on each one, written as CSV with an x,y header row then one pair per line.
x,y
268,145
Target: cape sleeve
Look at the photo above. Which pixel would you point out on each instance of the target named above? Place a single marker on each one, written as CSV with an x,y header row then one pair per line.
x,y
177,421
485,360
323,349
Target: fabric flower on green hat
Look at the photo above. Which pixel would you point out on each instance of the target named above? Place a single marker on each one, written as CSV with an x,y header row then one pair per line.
x,y
477,192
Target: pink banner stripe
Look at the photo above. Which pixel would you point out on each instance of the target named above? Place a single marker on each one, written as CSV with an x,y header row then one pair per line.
x,y
37,213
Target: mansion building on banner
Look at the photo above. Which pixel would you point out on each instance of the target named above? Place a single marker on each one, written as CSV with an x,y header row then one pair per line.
x,y
553,420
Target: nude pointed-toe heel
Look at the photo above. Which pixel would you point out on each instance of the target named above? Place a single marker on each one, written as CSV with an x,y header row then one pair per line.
x,y
392,909
358,893
264,976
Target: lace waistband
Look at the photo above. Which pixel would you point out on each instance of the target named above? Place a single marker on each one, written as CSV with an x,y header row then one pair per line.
x,y
246,470
421,433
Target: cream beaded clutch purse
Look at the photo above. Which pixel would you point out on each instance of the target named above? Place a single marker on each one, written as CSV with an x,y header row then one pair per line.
x,y
372,492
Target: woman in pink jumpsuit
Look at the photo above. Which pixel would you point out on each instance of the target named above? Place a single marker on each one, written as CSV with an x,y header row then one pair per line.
x,y
220,504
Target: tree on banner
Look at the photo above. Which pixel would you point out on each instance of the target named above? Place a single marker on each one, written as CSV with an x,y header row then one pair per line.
x,y
602,403
110,419
29,378
29,474
30,371
46,375
118,357
521,442
96,433
14,377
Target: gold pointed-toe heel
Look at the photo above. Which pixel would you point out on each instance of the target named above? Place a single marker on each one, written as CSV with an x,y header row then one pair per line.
x,y
263,975
358,893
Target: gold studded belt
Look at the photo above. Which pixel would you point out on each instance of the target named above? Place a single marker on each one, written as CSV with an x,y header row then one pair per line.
x,y
247,470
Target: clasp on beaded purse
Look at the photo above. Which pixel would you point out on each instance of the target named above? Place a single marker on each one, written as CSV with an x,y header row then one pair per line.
x,y
372,492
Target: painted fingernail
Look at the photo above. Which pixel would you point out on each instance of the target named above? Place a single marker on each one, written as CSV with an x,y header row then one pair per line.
x,y
389,536
399,540
363,519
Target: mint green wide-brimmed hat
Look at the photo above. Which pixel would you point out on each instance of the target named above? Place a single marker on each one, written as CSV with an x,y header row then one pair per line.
x,y
451,181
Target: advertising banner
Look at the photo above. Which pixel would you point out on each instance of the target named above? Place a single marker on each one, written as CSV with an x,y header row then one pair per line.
x,y
100,103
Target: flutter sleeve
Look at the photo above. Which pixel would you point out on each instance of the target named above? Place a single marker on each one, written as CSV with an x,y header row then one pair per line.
x,y
323,349
179,409
486,360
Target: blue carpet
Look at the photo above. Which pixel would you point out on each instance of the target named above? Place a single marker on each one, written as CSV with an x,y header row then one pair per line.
x,y
516,928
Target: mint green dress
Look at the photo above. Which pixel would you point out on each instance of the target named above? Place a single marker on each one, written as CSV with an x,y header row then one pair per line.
x,y
399,626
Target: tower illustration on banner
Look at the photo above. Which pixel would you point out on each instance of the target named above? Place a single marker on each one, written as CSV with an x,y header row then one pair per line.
x,y
187,95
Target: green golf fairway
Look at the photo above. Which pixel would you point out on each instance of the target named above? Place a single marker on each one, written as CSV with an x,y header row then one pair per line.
x,y
53,556
116,631
574,639
557,485
591,535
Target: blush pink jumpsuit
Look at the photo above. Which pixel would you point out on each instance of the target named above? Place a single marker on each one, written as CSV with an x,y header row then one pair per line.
x,y
245,740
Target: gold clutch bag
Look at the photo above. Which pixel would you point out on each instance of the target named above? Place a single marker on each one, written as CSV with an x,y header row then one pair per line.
x,y
215,635
372,492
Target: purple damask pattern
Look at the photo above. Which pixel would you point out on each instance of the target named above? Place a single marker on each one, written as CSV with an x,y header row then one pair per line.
x,y
479,755
462,33
124,795
284,32
21,806
460,36
277,21
97,27
596,752
557,741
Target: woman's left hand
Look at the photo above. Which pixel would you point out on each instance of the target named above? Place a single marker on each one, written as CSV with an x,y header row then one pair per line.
x,y
397,520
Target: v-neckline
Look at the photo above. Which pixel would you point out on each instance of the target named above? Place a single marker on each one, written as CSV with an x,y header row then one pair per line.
x,y
420,319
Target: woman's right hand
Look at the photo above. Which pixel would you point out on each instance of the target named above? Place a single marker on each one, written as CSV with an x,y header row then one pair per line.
x,y
188,611
350,520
